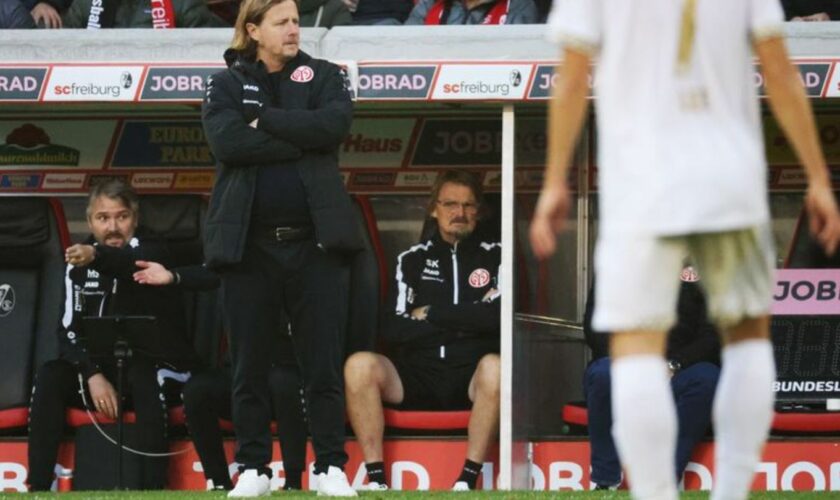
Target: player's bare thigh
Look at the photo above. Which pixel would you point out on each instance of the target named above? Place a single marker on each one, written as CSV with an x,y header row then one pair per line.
x,y
748,329
391,386
637,342
489,370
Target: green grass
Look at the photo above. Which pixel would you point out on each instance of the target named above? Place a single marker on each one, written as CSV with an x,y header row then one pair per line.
x,y
399,495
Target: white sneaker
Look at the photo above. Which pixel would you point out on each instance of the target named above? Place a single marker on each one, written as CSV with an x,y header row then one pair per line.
x,y
373,486
251,485
333,483
461,486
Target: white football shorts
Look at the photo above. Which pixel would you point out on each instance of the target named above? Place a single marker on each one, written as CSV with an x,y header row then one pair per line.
x,y
639,277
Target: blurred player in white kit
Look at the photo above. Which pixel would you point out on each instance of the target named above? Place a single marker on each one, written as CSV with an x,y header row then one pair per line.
x,y
682,173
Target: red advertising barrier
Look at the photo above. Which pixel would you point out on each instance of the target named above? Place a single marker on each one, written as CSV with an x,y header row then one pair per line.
x,y
412,465
415,464
785,466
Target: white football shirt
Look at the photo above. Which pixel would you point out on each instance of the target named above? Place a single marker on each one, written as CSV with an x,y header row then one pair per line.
x,y
680,146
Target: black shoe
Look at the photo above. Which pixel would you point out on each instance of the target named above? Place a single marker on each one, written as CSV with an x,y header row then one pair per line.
x,y
606,487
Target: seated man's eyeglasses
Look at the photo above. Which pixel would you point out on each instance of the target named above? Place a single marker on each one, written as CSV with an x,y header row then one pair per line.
x,y
453,206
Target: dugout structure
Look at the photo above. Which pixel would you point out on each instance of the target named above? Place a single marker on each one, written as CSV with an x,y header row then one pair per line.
x,y
76,107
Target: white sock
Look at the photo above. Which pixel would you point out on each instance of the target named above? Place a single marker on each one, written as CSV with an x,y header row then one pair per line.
x,y
742,414
645,425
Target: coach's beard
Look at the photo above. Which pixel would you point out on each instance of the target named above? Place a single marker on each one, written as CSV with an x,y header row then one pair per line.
x,y
463,232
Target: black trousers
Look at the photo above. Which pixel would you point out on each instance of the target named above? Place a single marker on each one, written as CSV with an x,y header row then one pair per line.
x,y
310,285
207,397
57,388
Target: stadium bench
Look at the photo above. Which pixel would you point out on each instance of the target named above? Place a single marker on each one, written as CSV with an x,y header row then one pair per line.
x,y
33,236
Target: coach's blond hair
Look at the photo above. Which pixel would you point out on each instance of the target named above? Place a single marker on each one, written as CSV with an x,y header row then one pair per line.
x,y
251,11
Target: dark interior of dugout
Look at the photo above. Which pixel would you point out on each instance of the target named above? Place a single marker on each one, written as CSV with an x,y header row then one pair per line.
x,y
549,353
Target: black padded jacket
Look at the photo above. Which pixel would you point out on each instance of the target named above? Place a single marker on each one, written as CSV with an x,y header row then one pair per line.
x,y
301,122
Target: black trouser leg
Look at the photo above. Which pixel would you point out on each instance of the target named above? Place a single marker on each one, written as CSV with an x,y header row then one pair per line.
x,y
206,399
56,388
150,408
291,422
316,298
252,305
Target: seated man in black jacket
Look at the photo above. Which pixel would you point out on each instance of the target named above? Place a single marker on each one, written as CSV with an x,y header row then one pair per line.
x,y
693,354
99,282
444,324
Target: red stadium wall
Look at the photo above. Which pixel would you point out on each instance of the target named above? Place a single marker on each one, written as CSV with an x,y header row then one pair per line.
x,y
432,464
786,465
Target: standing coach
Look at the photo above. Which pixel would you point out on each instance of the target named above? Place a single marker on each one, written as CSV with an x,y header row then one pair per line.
x,y
280,228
